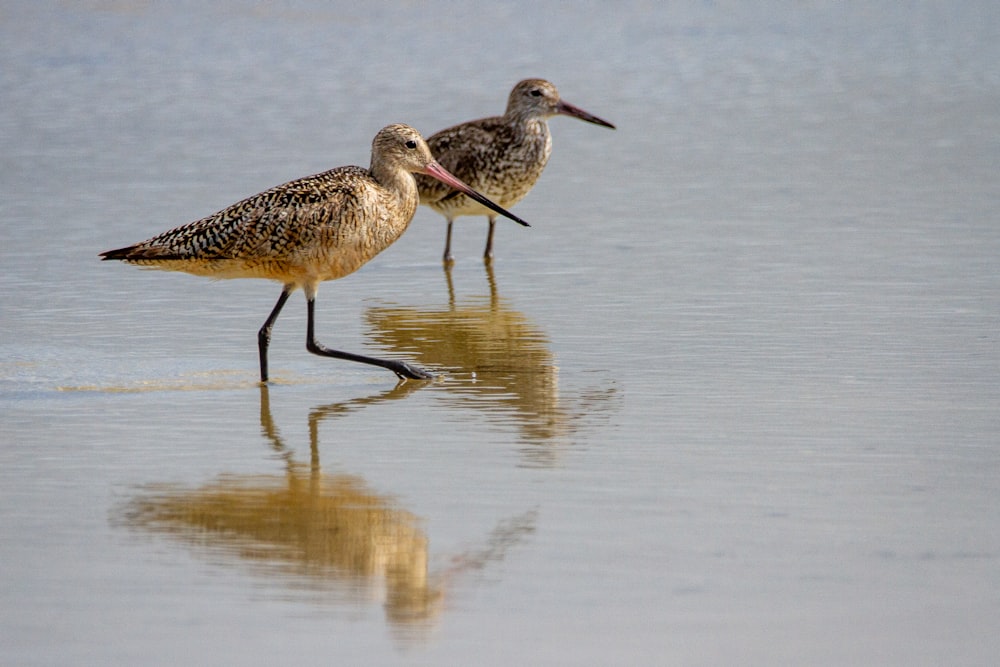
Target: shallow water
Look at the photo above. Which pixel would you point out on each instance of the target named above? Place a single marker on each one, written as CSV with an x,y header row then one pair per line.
x,y
733,397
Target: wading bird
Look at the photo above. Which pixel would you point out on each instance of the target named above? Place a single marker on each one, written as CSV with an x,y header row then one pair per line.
x,y
501,156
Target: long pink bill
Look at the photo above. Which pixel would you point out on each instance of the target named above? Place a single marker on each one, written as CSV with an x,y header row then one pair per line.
x,y
437,171
567,109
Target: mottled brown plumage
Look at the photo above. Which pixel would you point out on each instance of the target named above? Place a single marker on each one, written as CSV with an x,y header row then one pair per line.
x,y
501,156
316,228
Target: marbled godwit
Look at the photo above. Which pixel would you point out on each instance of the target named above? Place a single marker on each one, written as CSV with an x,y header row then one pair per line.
x,y
501,156
316,228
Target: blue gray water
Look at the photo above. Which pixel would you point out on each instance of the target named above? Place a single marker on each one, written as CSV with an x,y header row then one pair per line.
x,y
734,398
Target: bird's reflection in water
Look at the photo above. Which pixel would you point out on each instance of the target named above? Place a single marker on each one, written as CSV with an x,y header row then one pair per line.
x,y
495,360
320,532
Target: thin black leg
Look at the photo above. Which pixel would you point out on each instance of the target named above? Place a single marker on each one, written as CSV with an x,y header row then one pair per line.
x,y
264,335
448,259
488,253
400,368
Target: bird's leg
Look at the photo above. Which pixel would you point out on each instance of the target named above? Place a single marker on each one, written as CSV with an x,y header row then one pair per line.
x,y
400,368
448,259
264,335
488,253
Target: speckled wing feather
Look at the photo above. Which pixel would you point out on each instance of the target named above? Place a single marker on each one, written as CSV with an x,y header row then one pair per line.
x,y
262,225
464,150
271,224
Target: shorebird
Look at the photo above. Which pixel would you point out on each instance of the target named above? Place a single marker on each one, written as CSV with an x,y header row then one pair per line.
x,y
309,230
501,156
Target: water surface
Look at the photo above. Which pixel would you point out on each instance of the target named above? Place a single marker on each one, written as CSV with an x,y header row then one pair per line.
x,y
732,398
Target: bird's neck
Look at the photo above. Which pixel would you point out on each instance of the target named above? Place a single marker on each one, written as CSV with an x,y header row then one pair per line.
x,y
395,180
401,186
528,126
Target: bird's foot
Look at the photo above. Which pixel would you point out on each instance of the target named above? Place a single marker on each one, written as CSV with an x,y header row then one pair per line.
x,y
409,372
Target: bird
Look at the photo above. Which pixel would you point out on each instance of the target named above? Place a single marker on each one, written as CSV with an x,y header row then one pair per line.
x,y
309,230
500,156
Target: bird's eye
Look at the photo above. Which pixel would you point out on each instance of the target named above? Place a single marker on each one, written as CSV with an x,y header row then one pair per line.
x,y
411,144
535,93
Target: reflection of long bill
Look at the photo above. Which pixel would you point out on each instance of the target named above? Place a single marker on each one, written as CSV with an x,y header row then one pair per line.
x,y
435,170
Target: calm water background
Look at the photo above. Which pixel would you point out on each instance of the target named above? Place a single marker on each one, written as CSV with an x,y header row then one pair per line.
x,y
733,399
